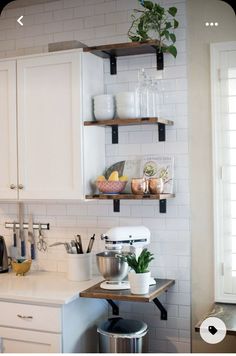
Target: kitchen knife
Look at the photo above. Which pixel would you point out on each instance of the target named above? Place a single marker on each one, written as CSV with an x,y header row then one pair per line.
x,y
14,234
21,228
79,241
90,245
31,237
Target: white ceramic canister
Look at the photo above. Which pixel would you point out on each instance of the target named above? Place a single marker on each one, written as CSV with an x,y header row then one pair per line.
x,y
79,266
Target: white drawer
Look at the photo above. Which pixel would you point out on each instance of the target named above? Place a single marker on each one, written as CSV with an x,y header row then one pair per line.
x,y
33,317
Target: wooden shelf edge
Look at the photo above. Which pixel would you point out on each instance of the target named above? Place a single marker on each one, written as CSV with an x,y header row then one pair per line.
x,y
127,196
126,122
125,295
129,46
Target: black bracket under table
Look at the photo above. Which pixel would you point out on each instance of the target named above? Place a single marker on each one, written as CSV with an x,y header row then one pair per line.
x,y
163,311
115,308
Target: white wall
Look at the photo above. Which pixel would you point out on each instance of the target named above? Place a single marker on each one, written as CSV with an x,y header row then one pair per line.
x,y
198,49
97,22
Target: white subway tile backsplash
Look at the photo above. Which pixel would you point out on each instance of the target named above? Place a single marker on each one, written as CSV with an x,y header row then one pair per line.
x,y
34,9
94,21
105,8
76,24
7,45
54,5
178,347
53,27
63,36
65,14
116,17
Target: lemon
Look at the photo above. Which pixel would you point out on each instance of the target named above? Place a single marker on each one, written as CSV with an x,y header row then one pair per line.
x,y
101,178
114,176
124,178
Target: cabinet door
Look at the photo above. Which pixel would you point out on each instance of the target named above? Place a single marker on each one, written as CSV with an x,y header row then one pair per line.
x,y
8,141
50,127
26,341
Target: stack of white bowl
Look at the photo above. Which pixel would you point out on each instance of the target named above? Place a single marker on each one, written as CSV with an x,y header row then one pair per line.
x,y
127,105
104,107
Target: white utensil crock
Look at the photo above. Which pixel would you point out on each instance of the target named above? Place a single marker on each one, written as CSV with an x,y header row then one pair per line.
x,y
79,266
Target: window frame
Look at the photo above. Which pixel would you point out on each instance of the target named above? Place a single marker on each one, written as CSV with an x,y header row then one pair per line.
x,y
215,50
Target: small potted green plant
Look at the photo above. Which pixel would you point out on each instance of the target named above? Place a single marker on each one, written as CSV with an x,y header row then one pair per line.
x,y
154,22
139,277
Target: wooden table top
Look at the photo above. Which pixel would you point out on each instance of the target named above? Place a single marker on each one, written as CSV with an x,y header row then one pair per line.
x,y
225,312
124,295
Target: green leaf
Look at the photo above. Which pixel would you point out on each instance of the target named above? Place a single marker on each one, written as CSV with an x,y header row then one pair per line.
x,y
176,23
147,4
172,50
141,264
168,25
172,11
173,37
160,10
166,34
134,38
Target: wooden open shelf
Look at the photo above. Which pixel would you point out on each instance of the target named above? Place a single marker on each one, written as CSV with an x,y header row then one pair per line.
x,y
161,286
127,122
112,51
123,49
115,123
126,196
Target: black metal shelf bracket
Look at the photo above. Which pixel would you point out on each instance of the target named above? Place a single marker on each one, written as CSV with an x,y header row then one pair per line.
x,y
116,205
115,134
115,308
161,132
162,206
113,65
161,308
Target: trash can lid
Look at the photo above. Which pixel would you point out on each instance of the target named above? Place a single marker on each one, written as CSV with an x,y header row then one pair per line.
x,y
119,327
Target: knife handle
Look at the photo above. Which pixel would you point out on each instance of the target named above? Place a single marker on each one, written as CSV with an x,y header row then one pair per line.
x,y
14,239
32,252
22,248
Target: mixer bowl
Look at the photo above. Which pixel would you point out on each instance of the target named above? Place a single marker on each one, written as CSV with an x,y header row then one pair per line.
x,y
111,267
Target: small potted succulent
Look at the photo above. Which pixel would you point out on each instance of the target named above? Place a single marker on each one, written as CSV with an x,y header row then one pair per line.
x,y
139,277
154,22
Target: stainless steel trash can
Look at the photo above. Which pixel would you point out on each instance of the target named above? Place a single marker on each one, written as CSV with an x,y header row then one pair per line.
x,y
117,335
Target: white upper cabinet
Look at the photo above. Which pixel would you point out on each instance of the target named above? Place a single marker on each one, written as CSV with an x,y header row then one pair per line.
x,y
54,94
8,141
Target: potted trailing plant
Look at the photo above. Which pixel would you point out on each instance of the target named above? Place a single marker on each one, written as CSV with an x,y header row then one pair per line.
x,y
154,22
139,278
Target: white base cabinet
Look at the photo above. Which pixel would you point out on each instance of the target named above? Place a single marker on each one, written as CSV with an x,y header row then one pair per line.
x,y
70,328
27,341
46,152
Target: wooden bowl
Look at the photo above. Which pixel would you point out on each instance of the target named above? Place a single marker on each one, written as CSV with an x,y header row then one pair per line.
x,y
21,268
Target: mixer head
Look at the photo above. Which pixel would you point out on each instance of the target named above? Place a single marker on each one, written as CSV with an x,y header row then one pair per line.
x,y
130,238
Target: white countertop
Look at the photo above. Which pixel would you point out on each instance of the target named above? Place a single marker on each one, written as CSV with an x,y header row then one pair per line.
x,y
42,288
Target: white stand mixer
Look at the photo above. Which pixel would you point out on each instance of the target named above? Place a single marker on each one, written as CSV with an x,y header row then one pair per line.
x,y
120,240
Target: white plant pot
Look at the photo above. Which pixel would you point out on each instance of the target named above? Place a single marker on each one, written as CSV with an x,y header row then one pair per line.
x,y
139,282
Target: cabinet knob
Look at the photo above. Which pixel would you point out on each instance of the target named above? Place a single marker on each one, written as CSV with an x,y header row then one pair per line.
x,y
13,186
20,186
24,316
